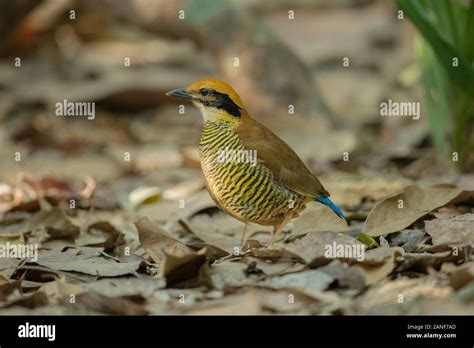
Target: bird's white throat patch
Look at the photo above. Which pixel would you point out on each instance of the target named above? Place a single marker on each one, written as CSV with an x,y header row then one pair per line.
x,y
213,114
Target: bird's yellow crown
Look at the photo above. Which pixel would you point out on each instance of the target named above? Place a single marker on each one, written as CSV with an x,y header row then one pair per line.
x,y
217,100
218,86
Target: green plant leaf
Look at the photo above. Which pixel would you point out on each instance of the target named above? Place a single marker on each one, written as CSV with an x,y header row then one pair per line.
x,y
463,74
438,113
468,44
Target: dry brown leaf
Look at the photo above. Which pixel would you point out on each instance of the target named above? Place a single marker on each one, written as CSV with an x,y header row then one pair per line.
x,y
45,310
272,268
220,241
248,303
380,263
170,212
352,277
351,189
101,234
424,262
389,215
456,230
117,287
224,231
8,266
17,229
108,305
34,300
379,256
423,295
312,247
409,240
29,207
178,269
158,243
278,301
11,230
212,252
317,218
256,249
177,262
86,260
228,275
59,289
311,282
462,276
48,186
7,287
55,222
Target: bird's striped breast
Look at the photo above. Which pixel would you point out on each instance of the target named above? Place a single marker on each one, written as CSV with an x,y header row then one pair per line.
x,y
242,186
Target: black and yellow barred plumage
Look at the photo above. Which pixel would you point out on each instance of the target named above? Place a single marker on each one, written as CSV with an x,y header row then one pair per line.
x,y
247,191
271,190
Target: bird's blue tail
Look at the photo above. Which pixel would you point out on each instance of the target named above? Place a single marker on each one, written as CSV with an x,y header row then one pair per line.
x,y
326,201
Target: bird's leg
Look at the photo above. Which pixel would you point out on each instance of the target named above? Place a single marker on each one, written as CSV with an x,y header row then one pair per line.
x,y
277,229
242,240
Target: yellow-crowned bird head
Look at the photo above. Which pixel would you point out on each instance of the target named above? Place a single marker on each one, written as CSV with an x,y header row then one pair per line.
x,y
217,101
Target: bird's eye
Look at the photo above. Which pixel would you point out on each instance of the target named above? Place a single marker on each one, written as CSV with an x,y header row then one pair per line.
x,y
204,91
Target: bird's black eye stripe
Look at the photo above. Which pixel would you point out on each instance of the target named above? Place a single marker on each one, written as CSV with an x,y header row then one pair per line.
x,y
220,101
224,102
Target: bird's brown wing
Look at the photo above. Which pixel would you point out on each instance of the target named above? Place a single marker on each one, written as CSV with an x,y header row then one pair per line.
x,y
288,169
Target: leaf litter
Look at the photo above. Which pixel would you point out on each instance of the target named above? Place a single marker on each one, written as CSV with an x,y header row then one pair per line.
x,y
198,270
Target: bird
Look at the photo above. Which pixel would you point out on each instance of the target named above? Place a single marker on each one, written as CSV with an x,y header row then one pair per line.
x,y
250,173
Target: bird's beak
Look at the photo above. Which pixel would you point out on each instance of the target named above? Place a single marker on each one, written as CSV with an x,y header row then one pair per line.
x,y
179,93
